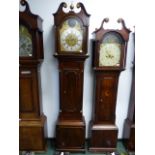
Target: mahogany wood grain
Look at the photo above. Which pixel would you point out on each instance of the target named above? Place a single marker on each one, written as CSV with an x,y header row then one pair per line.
x,y
102,129
70,128
32,121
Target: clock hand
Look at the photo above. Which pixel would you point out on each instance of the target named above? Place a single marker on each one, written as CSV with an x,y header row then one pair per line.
x,y
109,56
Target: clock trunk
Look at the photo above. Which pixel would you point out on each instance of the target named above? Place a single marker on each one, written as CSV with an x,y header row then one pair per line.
x,y
71,123
103,131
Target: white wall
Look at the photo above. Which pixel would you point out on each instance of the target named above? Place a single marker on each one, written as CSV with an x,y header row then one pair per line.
x,y
49,70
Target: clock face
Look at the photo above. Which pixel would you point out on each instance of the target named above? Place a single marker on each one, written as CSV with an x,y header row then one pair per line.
x,y
71,36
110,55
25,42
110,50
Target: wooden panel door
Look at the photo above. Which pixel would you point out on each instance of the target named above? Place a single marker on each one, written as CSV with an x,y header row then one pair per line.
x,y
67,135
106,87
104,138
28,93
71,88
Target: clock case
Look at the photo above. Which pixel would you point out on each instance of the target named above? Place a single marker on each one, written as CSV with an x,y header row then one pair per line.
x,y
32,121
102,129
129,123
70,126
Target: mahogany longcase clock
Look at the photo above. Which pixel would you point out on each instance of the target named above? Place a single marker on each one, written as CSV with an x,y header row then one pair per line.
x,y
129,124
32,122
109,57
71,35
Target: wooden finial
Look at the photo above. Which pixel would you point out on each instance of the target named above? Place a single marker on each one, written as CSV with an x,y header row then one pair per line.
x,y
105,20
25,3
120,20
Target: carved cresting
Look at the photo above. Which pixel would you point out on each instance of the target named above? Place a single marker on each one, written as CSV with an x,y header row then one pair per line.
x,y
120,20
78,6
106,20
24,3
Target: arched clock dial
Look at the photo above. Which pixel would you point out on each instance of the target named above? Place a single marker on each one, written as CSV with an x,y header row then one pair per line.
x,y
109,55
110,50
71,36
25,42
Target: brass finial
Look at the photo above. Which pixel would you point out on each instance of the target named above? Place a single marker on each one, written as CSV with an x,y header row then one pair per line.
x,y
72,6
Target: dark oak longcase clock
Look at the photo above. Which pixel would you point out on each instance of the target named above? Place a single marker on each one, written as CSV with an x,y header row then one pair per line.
x,y
71,35
129,124
32,122
109,57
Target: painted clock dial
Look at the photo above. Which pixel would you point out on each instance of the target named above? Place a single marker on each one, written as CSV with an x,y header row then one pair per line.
x,y
71,36
110,50
25,42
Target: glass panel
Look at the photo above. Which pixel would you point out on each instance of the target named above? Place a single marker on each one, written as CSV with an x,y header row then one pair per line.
x,y
71,36
110,49
25,42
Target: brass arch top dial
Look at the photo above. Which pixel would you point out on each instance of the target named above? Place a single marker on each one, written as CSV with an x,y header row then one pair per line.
x,y
25,42
71,36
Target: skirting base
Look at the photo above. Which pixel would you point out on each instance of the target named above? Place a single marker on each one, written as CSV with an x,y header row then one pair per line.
x,y
32,134
103,138
70,136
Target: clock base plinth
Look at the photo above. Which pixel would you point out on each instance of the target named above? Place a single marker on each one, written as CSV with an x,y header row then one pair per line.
x,y
129,135
103,138
70,135
32,134
102,149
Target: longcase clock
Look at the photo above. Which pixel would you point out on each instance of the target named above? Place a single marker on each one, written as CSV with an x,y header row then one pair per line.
x,y
109,57
129,124
32,122
71,35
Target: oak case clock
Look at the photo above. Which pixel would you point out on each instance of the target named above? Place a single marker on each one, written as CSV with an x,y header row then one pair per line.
x,y
32,121
71,35
109,57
